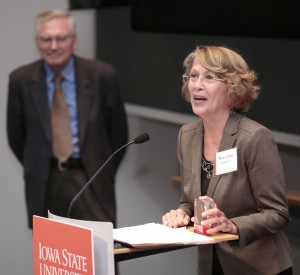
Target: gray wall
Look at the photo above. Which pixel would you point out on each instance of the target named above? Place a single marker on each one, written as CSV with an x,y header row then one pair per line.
x,y
144,187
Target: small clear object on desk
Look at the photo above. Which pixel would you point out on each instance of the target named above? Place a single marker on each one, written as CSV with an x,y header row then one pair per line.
x,y
199,207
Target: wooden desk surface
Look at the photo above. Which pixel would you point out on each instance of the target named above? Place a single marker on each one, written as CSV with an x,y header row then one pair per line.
x,y
125,253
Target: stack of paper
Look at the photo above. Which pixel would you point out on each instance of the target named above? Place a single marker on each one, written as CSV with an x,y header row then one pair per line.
x,y
157,234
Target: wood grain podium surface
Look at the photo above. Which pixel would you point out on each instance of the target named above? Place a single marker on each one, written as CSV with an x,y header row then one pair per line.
x,y
123,252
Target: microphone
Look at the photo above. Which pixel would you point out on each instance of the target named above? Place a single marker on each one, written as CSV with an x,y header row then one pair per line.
x,y
139,139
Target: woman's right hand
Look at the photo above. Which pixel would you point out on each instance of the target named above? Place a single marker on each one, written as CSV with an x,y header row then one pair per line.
x,y
176,218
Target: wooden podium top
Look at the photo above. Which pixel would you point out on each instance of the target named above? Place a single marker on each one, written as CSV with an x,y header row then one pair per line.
x,y
125,253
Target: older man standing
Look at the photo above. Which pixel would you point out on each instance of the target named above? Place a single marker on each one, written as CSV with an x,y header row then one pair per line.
x,y
65,117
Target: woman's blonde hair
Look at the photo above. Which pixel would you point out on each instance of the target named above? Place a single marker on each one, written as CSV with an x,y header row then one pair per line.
x,y
232,68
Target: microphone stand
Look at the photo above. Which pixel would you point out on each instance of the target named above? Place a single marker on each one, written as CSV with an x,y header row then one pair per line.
x,y
140,139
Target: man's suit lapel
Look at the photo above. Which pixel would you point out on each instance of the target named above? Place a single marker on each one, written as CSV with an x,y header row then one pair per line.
x,y
227,142
84,96
38,89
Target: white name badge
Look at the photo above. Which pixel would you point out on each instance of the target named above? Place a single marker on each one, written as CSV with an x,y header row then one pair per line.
x,y
226,161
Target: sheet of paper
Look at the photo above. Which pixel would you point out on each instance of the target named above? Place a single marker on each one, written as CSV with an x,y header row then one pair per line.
x,y
103,242
153,233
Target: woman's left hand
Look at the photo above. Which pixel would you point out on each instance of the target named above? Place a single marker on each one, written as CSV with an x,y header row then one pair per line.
x,y
218,221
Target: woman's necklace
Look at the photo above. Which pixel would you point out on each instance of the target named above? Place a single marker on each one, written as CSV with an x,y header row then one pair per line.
x,y
208,167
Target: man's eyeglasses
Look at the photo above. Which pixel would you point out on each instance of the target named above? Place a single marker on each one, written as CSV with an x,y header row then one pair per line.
x,y
60,40
208,78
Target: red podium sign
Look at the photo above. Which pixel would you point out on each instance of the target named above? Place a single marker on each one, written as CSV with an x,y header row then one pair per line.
x,y
61,248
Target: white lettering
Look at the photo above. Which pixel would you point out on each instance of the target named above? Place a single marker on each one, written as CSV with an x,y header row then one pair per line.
x,y
74,261
53,270
49,254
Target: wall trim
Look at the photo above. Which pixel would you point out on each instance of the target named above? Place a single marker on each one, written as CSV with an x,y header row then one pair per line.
x,y
180,119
